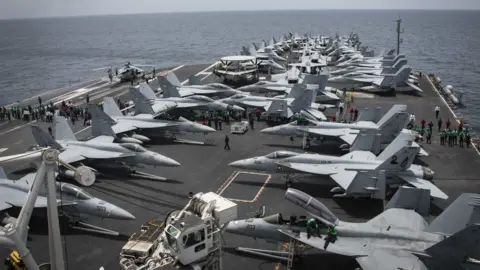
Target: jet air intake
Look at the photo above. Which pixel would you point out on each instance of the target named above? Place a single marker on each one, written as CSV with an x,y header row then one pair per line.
x,y
312,206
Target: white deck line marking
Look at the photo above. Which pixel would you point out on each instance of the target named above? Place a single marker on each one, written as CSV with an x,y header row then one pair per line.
x,y
58,102
203,71
450,109
3,149
257,195
228,184
206,76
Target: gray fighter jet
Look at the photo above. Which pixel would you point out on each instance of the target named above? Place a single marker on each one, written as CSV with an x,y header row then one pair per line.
x,y
75,202
399,238
358,173
195,87
98,148
143,120
191,102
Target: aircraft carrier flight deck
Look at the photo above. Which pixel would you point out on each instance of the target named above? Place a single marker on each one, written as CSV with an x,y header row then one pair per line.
x,y
205,168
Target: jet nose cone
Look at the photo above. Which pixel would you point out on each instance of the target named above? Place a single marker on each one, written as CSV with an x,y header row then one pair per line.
x,y
233,227
120,214
237,108
166,161
267,130
239,164
206,129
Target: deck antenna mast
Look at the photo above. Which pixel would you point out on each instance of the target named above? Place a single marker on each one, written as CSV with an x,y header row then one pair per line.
x,y
399,32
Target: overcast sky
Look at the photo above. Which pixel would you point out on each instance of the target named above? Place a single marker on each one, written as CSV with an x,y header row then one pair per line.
x,y
55,8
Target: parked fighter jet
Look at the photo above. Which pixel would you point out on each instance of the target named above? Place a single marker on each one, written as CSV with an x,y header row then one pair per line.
x,y
98,148
374,70
389,126
143,120
75,202
300,99
359,173
195,87
192,102
399,238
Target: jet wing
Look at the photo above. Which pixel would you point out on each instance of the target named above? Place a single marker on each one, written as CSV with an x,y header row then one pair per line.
x,y
346,246
161,106
126,126
193,91
399,218
316,113
329,94
343,133
10,197
387,259
416,88
424,184
375,81
79,153
422,151
101,139
258,104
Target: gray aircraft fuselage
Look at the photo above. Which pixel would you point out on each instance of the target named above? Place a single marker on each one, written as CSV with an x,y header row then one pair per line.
x,y
269,165
145,157
176,126
262,229
83,202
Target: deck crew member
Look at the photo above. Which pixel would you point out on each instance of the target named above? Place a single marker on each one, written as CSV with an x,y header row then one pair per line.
x,y
447,124
437,111
443,134
40,101
227,141
461,138
428,134
331,236
312,228
440,122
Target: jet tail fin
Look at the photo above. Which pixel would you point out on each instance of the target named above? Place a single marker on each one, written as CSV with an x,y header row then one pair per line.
x,y
44,139
403,139
367,141
63,131
278,107
412,199
464,211
246,51
101,127
370,114
142,105
173,79
400,160
194,80
457,249
320,80
146,91
394,120
305,100
169,90
98,113
110,108
3,175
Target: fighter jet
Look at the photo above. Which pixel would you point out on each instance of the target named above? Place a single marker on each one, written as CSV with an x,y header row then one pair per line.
x,y
143,120
75,202
191,102
266,62
399,238
300,99
359,173
263,52
99,148
292,77
389,126
374,70
195,87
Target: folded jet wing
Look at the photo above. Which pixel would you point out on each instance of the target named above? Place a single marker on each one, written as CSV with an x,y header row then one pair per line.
x,y
80,152
130,125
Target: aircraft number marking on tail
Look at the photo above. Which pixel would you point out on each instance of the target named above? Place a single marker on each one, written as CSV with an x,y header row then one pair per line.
x,y
394,160
250,227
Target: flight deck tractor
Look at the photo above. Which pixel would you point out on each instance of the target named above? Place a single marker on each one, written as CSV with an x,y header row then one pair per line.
x,y
190,238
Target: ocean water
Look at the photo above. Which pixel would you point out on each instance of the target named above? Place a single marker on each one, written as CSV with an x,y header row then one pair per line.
x,y
38,55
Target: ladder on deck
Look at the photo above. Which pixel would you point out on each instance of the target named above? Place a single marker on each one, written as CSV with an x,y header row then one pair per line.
x,y
291,252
